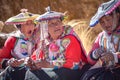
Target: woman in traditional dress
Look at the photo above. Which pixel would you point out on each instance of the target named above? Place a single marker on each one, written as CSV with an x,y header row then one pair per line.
x,y
18,46
105,53
60,55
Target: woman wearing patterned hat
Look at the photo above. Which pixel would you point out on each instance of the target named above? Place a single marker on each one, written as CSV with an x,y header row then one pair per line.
x,y
18,46
106,49
60,55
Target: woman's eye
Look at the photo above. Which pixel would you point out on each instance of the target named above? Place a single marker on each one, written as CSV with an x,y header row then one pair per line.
x,y
101,22
52,23
108,19
59,21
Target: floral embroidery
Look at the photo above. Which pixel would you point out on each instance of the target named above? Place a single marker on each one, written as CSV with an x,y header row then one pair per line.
x,y
56,53
23,48
65,42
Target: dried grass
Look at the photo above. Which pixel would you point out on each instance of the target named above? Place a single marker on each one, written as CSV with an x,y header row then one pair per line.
x,y
86,34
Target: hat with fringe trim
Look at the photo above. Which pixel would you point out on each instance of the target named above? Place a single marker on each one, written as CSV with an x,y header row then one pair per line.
x,y
22,17
104,9
50,15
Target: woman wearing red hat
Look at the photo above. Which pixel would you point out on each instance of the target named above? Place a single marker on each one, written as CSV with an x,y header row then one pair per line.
x,y
60,55
106,49
18,46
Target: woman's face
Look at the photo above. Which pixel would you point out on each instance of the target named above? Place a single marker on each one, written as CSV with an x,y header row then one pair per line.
x,y
27,29
55,28
109,22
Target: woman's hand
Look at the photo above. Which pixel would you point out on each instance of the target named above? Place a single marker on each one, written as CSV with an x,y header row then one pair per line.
x,y
30,63
107,58
38,64
98,52
14,62
43,64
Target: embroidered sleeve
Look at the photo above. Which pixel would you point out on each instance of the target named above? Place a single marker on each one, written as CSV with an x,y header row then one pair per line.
x,y
91,57
72,53
5,52
37,55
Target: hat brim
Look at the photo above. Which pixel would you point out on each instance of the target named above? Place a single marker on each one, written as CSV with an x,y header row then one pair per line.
x,y
22,20
113,8
104,9
49,16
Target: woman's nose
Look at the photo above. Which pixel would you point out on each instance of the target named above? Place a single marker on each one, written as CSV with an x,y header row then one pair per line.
x,y
107,24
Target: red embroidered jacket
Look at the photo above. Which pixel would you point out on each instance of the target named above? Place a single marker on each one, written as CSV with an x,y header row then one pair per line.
x,y
15,47
5,52
74,53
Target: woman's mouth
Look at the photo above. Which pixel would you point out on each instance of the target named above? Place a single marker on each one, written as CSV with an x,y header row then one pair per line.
x,y
30,32
109,28
57,30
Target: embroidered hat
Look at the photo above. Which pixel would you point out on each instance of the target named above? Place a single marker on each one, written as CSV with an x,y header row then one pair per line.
x,y
104,9
50,15
43,21
22,17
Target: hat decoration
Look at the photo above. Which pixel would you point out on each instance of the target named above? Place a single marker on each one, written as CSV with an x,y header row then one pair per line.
x,y
104,9
114,7
22,17
49,15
